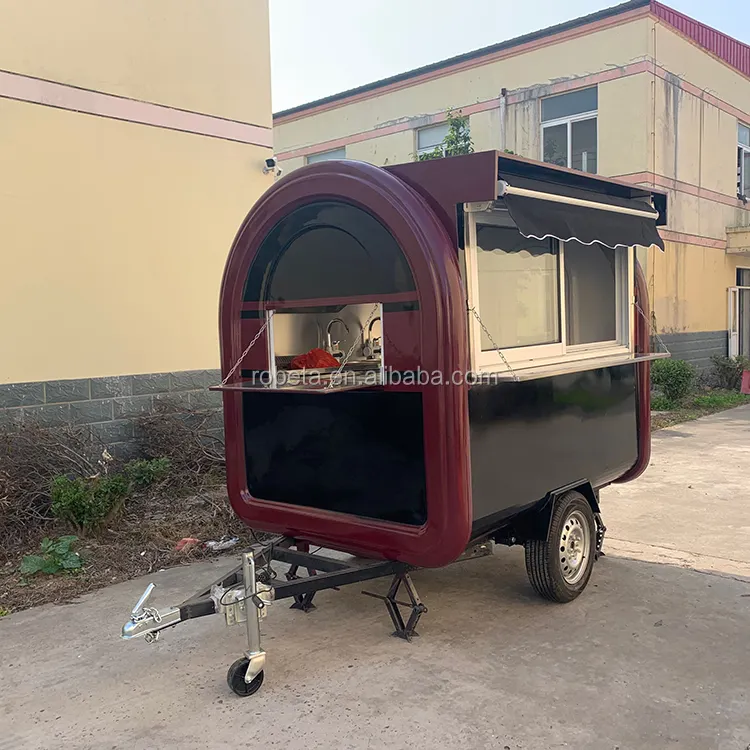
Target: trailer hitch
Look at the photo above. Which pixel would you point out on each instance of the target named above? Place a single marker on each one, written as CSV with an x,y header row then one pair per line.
x,y
148,622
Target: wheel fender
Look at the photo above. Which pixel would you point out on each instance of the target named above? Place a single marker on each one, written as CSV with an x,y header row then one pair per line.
x,y
536,523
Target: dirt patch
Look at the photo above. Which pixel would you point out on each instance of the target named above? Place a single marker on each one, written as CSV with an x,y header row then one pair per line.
x,y
139,541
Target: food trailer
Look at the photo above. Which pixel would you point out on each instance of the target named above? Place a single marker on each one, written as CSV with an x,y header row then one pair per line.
x,y
419,361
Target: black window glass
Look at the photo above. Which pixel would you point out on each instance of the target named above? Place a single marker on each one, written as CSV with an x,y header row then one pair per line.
x,y
326,250
591,293
567,105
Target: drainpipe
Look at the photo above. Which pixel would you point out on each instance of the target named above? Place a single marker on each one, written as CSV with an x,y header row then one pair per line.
x,y
503,115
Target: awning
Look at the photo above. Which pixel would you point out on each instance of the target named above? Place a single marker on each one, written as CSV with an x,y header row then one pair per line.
x,y
542,210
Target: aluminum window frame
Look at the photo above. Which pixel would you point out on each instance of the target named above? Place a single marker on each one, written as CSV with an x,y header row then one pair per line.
x,y
545,356
569,120
743,179
429,149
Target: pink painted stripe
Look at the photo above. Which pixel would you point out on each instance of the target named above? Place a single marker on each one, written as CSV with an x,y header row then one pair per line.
x,y
704,95
473,63
692,239
62,96
356,138
470,109
559,87
658,180
644,66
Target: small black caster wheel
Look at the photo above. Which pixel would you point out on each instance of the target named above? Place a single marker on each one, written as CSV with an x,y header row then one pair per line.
x,y
236,679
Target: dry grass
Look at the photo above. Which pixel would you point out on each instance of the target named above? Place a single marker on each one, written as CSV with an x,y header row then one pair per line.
x,y
190,502
186,439
30,458
140,541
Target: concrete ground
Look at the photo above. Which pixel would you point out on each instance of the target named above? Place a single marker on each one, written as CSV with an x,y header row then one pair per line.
x,y
655,654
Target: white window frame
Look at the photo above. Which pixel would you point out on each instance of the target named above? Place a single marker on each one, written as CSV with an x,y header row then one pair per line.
x,y
545,356
323,155
742,149
569,120
429,149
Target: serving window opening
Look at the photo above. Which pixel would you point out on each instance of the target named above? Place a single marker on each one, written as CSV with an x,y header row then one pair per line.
x,y
327,347
328,282
541,305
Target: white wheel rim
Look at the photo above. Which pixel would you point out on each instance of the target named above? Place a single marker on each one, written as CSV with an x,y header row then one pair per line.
x,y
574,547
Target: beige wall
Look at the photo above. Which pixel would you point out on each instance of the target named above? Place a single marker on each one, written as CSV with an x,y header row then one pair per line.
x,y
206,56
695,141
688,286
114,241
624,120
390,149
114,234
486,131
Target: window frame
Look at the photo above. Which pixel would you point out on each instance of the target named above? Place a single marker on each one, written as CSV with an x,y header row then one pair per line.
x,y
323,154
569,120
544,356
742,150
429,149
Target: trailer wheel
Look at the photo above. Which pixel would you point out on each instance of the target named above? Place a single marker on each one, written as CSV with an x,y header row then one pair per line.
x,y
560,566
236,679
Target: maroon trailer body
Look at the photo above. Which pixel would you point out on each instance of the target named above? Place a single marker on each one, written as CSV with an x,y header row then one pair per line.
x,y
347,233
490,374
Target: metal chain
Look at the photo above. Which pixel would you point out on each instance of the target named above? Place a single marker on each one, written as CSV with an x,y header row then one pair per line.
x,y
492,341
244,354
652,326
336,374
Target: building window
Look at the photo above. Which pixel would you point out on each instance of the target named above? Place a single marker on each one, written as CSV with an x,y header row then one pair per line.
x,y
431,138
542,302
569,137
337,153
743,160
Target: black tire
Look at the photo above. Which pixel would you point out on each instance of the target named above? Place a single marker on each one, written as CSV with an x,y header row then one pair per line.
x,y
546,564
236,679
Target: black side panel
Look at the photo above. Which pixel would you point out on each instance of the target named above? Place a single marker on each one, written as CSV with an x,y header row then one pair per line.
x,y
531,437
360,453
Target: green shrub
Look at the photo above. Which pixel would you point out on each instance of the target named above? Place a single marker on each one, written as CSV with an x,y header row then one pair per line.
x,y
87,502
727,371
57,555
661,403
144,472
674,377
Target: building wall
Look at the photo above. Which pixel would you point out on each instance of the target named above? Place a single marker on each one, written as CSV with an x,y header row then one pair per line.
x,y
118,214
694,156
543,68
132,142
108,408
667,118
210,57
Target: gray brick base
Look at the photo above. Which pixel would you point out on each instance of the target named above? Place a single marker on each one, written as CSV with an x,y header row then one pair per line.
x,y
696,348
108,405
